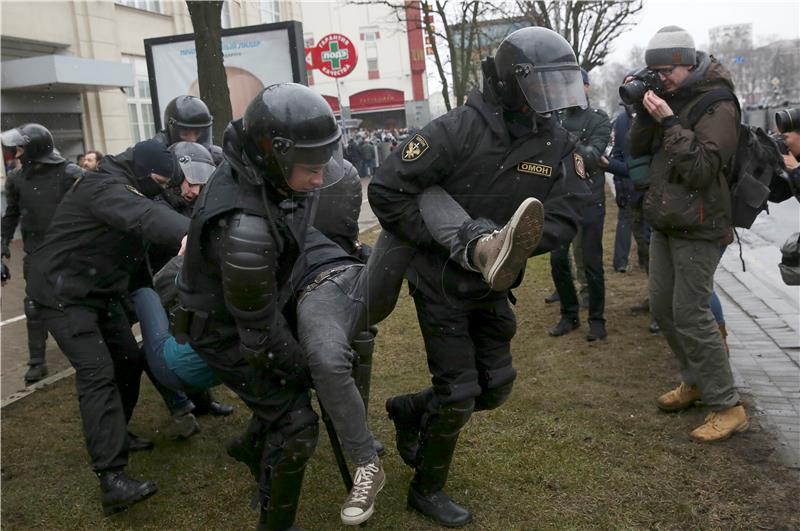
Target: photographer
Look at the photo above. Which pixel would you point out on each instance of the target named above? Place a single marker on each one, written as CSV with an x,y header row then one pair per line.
x,y
688,206
787,185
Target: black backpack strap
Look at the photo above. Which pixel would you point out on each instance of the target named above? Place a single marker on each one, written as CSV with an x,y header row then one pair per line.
x,y
710,98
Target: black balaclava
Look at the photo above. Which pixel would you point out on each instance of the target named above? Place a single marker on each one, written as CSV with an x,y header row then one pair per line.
x,y
151,156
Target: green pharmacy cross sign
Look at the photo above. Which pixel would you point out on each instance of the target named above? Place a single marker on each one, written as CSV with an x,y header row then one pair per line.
x,y
337,55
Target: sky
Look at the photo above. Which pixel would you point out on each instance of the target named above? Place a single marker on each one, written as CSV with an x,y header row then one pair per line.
x,y
780,18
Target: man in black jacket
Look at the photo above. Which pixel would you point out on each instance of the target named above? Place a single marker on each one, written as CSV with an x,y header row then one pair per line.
x,y
247,232
592,130
76,280
491,154
32,193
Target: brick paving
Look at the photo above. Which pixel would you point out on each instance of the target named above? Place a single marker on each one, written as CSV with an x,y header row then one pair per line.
x,y
763,321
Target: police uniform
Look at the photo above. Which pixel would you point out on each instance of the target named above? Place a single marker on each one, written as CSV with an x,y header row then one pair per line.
x,y
471,153
77,277
32,194
592,129
235,284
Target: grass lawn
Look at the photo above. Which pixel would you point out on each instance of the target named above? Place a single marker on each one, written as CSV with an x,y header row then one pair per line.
x,y
579,445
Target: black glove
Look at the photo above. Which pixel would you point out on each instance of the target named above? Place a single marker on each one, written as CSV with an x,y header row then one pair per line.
x,y
622,197
362,252
5,273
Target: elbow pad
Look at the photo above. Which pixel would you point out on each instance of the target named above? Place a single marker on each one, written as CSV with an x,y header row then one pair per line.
x,y
249,260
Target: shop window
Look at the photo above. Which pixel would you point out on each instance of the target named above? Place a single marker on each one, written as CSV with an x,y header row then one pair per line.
x,y
372,62
145,5
270,11
308,40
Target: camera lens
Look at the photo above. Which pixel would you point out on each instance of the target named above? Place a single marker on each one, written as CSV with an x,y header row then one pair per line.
x,y
788,120
632,92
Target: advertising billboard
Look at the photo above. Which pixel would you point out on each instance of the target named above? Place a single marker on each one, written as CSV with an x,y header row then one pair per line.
x,y
254,57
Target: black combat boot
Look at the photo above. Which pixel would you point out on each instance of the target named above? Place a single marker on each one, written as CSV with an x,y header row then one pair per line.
x,y
564,326
435,455
406,412
120,491
35,373
205,404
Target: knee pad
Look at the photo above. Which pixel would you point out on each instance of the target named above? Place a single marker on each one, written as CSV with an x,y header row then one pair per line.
x,y
294,441
493,398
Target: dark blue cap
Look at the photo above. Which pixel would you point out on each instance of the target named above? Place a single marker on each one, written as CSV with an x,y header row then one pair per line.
x,y
151,156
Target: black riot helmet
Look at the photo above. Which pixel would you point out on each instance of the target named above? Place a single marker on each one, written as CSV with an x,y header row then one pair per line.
x,y
194,160
537,66
36,140
289,124
190,116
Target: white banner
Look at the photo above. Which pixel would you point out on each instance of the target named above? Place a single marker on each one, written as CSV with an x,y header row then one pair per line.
x,y
252,61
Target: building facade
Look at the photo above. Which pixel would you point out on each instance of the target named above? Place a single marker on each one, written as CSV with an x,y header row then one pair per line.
x,y
79,67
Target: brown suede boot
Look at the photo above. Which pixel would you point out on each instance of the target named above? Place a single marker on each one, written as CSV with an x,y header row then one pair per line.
x,y
723,331
679,398
720,425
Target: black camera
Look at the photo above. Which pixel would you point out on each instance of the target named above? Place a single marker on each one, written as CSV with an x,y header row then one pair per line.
x,y
787,120
644,79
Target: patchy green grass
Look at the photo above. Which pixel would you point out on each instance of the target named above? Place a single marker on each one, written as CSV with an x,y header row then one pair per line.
x,y
579,445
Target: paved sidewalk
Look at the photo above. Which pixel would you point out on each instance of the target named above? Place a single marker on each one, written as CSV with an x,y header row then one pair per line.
x,y
763,321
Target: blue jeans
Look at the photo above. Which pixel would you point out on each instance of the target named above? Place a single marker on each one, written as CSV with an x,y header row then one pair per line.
x,y
155,332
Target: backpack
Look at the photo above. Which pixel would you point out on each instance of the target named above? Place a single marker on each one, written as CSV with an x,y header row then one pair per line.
x,y
755,162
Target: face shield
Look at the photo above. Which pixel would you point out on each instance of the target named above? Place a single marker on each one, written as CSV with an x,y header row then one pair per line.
x,y
195,171
306,166
551,87
186,133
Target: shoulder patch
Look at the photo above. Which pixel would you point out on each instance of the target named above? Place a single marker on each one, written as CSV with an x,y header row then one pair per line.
x,y
580,169
415,148
134,190
535,168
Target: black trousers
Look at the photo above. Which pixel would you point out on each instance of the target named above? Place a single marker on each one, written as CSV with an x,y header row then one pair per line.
x,y
468,345
592,246
108,366
37,331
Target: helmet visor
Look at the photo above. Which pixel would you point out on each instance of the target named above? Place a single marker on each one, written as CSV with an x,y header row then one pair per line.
x,y
551,88
195,171
186,133
12,138
306,169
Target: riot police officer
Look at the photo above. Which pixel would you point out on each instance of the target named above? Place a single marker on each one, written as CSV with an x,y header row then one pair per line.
x,y
247,232
592,129
76,280
32,193
187,119
503,146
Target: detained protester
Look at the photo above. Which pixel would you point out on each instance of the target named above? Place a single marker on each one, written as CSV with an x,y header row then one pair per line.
x,y
32,192
688,206
77,279
502,147
196,166
247,232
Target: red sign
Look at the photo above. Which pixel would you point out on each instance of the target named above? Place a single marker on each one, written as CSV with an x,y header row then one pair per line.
x,y
377,100
335,55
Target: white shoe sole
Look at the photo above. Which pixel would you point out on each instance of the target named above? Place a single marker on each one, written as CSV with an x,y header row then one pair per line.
x,y
524,234
360,519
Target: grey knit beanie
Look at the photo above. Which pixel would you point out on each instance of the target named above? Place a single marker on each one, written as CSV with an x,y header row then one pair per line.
x,y
670,45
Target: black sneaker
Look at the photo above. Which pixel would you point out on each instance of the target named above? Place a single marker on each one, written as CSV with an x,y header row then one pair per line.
x,y
137,444
120,491
564,326
36,373
553,297
597,330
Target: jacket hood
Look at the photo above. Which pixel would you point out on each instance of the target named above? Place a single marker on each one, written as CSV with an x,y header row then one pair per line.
x,y
120,165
